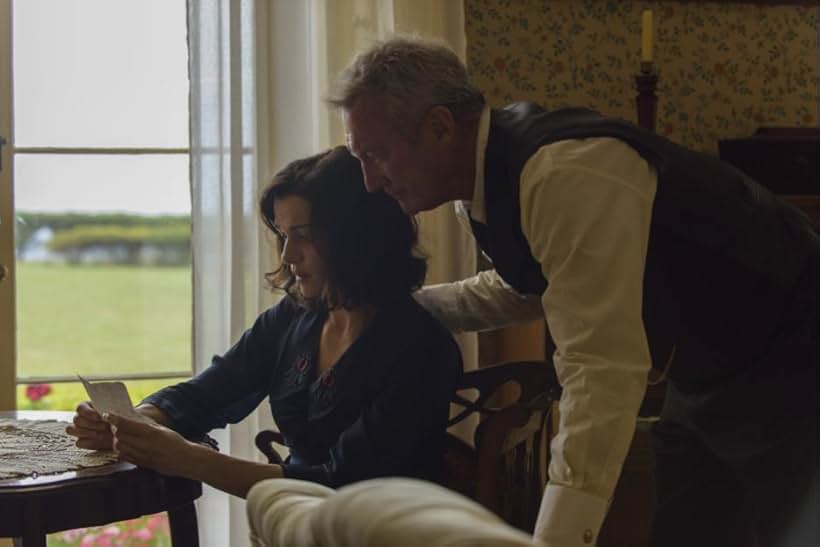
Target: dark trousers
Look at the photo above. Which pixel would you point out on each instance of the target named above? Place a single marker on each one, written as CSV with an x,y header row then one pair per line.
x,y
737,465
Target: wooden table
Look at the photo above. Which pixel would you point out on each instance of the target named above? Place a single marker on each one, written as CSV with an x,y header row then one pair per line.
x,y
32,507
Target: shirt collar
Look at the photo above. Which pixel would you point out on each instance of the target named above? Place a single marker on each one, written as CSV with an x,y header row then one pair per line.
x,y
475,207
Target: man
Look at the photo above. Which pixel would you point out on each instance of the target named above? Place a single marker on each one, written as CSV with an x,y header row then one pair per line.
x,y
642,254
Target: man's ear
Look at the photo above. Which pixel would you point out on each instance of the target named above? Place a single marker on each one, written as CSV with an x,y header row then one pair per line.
x,y
441,122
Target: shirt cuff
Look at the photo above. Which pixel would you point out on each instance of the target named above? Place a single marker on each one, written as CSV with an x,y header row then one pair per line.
x,y
569,517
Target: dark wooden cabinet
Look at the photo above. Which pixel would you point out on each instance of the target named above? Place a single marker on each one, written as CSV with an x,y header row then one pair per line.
x,y
784,160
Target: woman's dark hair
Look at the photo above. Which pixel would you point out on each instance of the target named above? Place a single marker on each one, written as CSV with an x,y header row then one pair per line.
x,y
367,242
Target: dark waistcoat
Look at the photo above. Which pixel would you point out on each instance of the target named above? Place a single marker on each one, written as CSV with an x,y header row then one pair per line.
x,y
730,279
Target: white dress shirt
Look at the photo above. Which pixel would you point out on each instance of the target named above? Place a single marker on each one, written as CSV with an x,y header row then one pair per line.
x,y
586,206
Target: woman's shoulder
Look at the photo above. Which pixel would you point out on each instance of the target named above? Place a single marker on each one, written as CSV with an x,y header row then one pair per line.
x,y
409,312
418,328
286,311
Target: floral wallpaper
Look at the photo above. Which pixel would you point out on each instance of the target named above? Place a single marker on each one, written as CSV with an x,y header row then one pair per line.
x,y
725,68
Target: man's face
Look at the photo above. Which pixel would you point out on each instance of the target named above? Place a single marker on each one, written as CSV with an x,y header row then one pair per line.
x,y
408,170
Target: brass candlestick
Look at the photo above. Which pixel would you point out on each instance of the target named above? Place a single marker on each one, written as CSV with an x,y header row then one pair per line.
x,y
646,81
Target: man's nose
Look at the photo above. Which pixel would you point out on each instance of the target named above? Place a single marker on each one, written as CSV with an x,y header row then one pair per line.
x,y
373,178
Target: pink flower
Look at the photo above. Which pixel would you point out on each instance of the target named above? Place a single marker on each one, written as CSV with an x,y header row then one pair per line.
x,y
143,534
35,392
88,541
70,536
112,530
156,521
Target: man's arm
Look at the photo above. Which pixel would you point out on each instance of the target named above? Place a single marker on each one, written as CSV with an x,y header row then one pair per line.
x,y
478,303
586,209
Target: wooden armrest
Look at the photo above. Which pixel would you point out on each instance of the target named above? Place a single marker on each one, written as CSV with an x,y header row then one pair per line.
x,y
264,442
536,380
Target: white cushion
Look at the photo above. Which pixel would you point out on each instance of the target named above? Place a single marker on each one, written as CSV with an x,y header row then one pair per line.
x,y
392,512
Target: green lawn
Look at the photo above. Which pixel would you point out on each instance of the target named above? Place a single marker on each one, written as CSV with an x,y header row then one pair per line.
x,y
100,320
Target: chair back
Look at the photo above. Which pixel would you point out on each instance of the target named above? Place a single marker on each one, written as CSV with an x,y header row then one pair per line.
x,y
505,471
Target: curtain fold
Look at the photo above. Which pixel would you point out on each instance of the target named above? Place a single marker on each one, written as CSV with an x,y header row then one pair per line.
x,y
259,72
227,257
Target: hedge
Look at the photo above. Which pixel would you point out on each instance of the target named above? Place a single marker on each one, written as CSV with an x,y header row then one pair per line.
x,y
28,223
85,236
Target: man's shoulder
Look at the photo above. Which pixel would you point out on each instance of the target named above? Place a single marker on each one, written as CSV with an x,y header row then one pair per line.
x,y
527,111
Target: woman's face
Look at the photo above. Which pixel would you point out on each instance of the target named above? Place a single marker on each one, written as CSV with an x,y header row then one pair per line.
x,y
292,215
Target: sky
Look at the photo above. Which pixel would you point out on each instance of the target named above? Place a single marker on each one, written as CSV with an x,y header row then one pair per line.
x,y
109,73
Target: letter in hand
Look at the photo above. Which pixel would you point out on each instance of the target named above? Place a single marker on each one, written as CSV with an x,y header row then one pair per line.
x,y
111,397
149,444
90,429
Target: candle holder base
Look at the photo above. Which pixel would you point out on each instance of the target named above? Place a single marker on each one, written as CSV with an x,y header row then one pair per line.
x,y
646,82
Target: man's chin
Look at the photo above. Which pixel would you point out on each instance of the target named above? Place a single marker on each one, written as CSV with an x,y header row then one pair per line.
x,y
407,208
413,207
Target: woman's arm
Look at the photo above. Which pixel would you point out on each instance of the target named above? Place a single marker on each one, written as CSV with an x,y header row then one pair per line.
x,y
162,449
233,385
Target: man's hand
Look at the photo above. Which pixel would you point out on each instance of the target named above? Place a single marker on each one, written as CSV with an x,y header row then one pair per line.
x,y
90,429
149,445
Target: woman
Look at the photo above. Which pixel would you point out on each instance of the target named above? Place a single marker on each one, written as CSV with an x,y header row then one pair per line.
x,y
358,375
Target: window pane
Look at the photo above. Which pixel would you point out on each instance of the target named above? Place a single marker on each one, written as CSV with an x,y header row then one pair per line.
x,y
104,73
103,271
144,184
67,395
102,319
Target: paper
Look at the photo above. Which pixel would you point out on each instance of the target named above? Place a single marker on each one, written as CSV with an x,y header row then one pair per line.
x,y
111,397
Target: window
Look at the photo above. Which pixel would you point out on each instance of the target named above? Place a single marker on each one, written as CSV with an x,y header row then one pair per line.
x,y
101,196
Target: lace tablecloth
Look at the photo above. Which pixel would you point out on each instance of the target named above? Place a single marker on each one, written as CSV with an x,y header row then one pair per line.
x,y
40,447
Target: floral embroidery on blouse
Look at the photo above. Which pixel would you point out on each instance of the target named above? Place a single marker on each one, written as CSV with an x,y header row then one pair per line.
x,y
295,376
323,393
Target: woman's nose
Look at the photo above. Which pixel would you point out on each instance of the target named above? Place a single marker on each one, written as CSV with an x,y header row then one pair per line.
x,y
290,252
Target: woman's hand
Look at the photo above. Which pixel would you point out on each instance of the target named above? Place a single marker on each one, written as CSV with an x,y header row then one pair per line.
x,y
90,429
149,444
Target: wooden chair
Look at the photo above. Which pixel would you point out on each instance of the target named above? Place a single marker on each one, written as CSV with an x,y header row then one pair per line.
x,y
503,470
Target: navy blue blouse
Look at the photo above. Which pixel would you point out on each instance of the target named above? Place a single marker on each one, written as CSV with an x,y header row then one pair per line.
x,y
381,410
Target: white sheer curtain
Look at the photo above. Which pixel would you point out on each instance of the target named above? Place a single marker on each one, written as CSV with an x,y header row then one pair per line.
x,y
259,71
229,251
310,42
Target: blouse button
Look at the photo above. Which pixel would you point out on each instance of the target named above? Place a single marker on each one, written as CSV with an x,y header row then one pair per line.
x,y
588,536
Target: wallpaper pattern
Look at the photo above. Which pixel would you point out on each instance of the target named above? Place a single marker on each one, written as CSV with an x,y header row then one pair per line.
x,y
725,68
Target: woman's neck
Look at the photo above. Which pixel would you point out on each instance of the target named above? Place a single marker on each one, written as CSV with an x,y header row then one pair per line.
x,y
349,322
340,330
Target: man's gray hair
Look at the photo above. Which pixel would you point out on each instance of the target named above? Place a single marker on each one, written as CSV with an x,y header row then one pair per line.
x,y
413,75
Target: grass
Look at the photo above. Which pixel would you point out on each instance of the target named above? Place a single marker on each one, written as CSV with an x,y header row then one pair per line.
x,y
96,320
66,396
102,319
